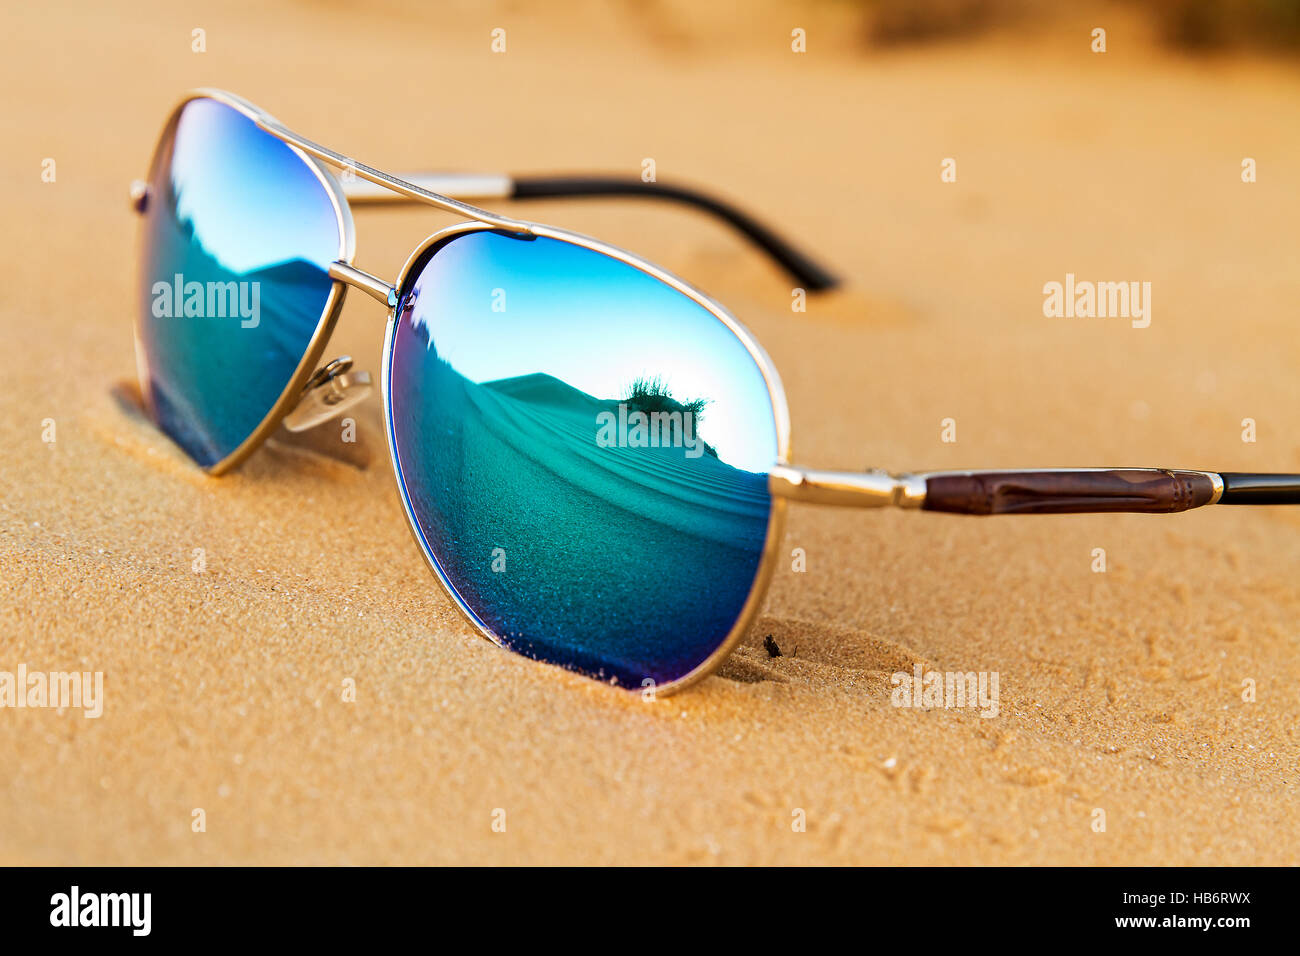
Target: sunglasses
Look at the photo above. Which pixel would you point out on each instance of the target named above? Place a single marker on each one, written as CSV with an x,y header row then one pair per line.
x,y
593,456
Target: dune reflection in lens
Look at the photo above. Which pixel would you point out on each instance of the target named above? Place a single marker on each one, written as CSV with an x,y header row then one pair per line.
x,y
239,235
583,451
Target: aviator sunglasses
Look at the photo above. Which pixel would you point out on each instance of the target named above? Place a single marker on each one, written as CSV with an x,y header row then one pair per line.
x,y
576,434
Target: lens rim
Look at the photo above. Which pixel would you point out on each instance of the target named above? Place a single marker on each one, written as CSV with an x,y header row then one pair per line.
x,y
776,394
330,312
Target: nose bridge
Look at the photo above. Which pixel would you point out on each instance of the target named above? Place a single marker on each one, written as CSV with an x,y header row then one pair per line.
x,y
334,388
373,286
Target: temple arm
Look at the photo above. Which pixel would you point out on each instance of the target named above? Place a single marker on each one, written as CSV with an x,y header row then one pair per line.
x,y
471,186
1045,491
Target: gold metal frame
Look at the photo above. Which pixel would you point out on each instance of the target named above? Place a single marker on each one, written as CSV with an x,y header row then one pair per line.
x,y
344,274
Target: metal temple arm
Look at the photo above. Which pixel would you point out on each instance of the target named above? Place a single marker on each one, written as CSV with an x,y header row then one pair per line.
x,y
872,489
473,186
1044,491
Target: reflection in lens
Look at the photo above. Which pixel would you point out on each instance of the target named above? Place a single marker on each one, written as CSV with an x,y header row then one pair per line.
x,y
584,451
239,235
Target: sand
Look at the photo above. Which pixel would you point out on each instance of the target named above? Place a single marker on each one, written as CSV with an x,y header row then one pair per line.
x,y
1119,691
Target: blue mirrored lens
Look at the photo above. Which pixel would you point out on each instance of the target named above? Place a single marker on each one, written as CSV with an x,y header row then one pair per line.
x,y
239,235
584,451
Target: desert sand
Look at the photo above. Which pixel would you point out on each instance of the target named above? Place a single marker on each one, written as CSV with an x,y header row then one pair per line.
x,y
1120,691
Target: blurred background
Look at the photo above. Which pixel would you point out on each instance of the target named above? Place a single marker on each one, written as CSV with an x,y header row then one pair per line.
x,y
1186,24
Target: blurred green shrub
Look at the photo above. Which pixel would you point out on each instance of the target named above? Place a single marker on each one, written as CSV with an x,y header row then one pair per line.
x,y
1195,24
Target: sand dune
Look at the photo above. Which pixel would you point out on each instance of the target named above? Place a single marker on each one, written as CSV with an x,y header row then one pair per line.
x,y
528,515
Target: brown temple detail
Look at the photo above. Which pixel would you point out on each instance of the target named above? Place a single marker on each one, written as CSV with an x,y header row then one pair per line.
x,y
1067,492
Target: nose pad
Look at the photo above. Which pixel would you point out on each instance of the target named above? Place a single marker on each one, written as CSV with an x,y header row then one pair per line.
x,y
331,391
